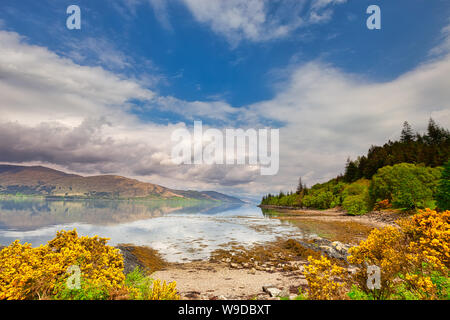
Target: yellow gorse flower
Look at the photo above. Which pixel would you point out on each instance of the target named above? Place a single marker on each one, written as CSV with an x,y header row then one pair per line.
x,y
40,273
33,273
408,256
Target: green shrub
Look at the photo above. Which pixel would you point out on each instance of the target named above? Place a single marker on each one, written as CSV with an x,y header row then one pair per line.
x,y
320,200
356,205
88,291
142,284
356,188
442,284
290,200
405,185
357,294
443,192
355,197
324,196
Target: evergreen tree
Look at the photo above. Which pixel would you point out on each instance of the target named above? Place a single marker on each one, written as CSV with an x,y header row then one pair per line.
x,y
300,186
443,194
435,134
407,134
351,171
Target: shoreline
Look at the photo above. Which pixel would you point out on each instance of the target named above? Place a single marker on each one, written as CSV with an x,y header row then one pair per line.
x,y
229,276
378,219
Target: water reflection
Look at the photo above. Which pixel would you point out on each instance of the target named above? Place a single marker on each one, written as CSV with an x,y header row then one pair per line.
x,y
28,214
180,233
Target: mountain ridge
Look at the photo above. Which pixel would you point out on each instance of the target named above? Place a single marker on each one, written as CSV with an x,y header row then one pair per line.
x,y
47,182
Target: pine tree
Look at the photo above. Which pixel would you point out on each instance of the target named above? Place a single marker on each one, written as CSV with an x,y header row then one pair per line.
x,y
300,186
351,171
407,134
436,134
443,194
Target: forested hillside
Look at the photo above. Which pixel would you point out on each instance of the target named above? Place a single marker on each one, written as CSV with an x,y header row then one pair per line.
x,y
431,149
405,174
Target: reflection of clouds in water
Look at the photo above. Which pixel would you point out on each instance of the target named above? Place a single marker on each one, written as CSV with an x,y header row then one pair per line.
x,y
177,237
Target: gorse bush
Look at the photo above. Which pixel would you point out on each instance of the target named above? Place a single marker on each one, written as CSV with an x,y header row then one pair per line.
x,y
142,287
413,259
33,273
41,273
382,205
321,275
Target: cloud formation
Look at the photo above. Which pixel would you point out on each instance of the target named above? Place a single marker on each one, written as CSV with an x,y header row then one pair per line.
x,y
79,118
444,43
259,20
251,20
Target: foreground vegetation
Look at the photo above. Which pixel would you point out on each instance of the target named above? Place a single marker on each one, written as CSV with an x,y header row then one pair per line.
x,y
42,272
413,256
388,177
414,260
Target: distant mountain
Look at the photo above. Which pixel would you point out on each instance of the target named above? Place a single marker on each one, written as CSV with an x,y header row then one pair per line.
x,y
208,195
42,181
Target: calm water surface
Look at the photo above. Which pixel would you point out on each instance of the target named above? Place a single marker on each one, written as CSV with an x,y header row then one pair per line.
x,y
179,233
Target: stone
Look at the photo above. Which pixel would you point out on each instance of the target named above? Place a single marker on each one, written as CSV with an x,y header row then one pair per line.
x,y
273,292
266,286
283,294
326,248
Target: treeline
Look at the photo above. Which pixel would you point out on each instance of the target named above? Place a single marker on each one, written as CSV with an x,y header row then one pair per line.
x,y
389,176
431,149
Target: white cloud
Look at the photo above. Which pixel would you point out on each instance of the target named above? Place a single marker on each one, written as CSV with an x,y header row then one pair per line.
x,y
56,112
444,43
237,20
161,12
259,20
57,85
78,118
330,115
101,50
320,4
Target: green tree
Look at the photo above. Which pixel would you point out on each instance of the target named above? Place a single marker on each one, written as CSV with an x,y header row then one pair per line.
x,y
351,171
405,185
443,193
300,186
407,134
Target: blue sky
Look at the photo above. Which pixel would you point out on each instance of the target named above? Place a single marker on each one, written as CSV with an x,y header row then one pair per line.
x,y
197,64
234,62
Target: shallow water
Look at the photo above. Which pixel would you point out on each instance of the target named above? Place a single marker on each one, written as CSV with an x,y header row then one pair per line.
x,y
178,233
